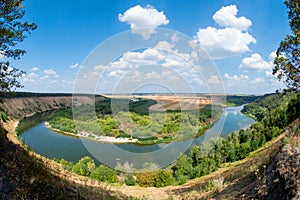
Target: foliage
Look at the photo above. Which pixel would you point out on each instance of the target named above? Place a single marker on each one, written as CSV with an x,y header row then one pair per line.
x,y
105,174
84,166
129,180
66,164
287,62
210,155
218,184
13,31
3,115
164,178
155,127
146,179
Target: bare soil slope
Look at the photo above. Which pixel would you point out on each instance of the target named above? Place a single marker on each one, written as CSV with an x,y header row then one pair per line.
x,y
21,107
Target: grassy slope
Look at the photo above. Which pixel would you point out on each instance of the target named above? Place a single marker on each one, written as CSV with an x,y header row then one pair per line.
x,y
23,176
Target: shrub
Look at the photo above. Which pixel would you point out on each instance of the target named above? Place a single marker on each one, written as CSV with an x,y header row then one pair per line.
x,y
3,116
129,179
181,179
164,178
146,179
218,184
105,174
84,166
66,164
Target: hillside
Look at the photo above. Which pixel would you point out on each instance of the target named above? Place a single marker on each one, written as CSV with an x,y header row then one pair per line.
x,y
23,105
240,178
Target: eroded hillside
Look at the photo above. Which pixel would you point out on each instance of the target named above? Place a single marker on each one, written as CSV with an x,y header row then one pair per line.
x,y
20,107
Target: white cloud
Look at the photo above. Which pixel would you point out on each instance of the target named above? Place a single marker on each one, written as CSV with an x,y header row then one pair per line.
x,y
214,79
116,73
152,75
168,74
229,41
32,75
226,17
226,42
35,69
164,45
138,18
99,67
257,80
44,77
235,77
49,72
272,56
175,38
256,62
74,66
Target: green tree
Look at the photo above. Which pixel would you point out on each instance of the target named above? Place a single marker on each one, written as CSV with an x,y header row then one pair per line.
x,y
84,166
164,178
12,31
103,173
129,179
287,62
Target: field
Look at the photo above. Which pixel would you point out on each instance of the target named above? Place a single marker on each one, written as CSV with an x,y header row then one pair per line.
x,y
171,102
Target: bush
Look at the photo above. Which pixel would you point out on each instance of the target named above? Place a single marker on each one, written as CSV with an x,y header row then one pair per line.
x,y
129,179
84,166
105,174
3,116
181,179
146,179
164,178
66,164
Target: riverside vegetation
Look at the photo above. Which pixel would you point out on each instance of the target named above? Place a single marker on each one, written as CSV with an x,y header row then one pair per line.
x,y
272,112
136,123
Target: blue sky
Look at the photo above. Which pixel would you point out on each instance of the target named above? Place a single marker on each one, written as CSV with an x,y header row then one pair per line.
x,y
239,36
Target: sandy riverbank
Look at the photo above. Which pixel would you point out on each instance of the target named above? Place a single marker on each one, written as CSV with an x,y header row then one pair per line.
x,y
98,138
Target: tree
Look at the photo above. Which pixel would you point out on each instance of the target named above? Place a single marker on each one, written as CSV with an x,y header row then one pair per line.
x,y
164,178
103,173
287,61
12,31
84,166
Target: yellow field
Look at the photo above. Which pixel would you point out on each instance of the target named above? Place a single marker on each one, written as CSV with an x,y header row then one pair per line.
x,y
171,102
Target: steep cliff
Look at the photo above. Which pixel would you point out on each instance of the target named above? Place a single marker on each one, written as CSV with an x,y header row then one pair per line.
x,y
20,107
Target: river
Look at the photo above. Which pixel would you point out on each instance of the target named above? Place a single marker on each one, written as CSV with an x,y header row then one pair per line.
x,y
54,145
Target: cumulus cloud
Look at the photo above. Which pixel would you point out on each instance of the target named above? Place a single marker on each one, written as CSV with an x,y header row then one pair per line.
x,y
152,75
272,56
138,18
214,79
222,43
116,73
256,62
49,72
74,66
32,75
164,45
35,69
226,17
235,77
257,80
44,77
229,41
